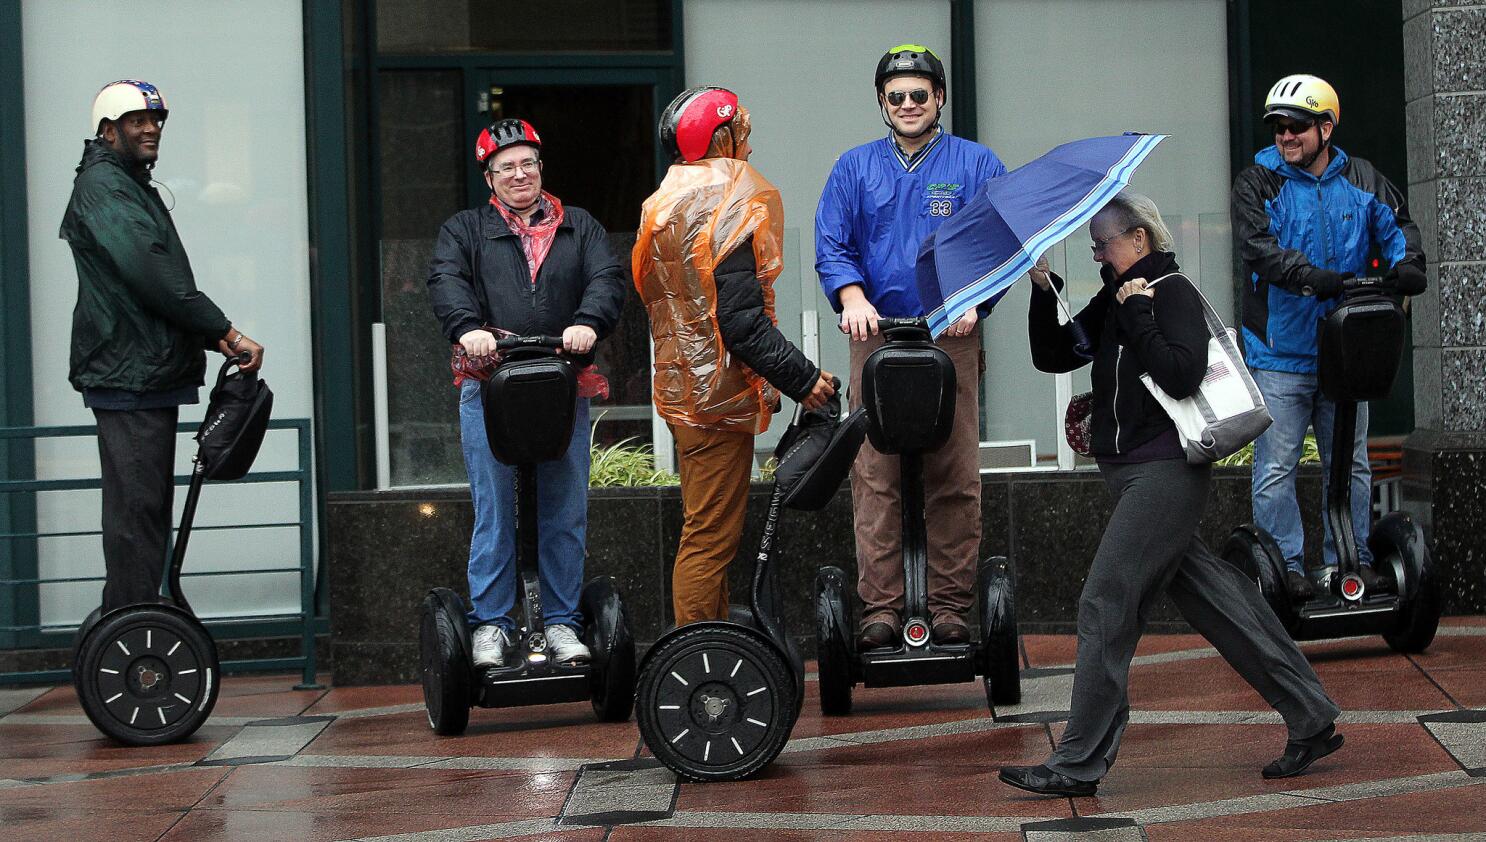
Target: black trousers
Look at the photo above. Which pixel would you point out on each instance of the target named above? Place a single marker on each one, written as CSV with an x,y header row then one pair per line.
x,y
137,452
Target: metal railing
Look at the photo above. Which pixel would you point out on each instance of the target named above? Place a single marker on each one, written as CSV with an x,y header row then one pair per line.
x,y
37,635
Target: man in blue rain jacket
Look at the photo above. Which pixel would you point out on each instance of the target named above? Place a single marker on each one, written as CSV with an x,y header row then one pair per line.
x,y
1307,216
881,201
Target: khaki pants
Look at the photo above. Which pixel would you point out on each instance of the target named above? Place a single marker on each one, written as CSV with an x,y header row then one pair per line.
x,y
715,467
951,502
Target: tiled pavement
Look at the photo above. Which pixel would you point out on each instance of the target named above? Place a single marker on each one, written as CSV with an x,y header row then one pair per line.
x,y
360,762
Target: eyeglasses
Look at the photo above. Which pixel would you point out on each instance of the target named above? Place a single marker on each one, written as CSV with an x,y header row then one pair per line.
x,y
1297,128
508,169
1101,245
919,96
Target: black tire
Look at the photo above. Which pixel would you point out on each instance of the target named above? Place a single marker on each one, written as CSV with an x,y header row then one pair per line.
x,y
1000,655
833,642
1399,547
1258,557
445,664
715,702
606,633
147,675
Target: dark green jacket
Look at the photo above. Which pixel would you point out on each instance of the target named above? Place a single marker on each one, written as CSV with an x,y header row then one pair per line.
x,y
140,324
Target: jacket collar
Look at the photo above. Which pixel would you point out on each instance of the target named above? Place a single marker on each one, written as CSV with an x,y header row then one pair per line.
x,y
97,152
493,225
1269,157
1152,266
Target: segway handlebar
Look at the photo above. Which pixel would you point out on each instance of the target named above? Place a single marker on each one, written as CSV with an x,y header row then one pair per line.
x,y
508,342
912,321
1369,282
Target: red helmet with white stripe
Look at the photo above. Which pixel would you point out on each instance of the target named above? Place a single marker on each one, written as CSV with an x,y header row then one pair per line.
x,y
687,125
505,133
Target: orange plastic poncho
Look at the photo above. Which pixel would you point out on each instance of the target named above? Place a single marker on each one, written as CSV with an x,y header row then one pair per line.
x,y
702,212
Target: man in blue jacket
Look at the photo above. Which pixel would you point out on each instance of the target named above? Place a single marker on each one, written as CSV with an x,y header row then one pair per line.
x,y
881,201
1307,216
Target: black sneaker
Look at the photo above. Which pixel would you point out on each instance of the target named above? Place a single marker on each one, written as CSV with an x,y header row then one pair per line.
x,y
1299,755
1299,586
1044,781
876,635
1373,581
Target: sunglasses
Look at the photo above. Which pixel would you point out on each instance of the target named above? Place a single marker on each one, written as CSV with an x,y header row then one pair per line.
x,y
1296,128
1100,245
919,96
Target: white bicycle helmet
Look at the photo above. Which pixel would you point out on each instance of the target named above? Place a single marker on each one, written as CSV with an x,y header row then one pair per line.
x,y
119,98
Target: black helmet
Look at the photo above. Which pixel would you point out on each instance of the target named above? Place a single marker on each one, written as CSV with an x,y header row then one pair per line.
x,y
910,60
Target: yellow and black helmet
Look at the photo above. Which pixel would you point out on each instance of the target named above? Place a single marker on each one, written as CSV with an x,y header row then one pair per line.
x,y
1303,97
909,60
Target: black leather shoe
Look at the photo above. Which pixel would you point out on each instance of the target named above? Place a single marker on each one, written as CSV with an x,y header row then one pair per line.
x,y
876,635
1299,755
1373,581
1044,781
951,633
1299,586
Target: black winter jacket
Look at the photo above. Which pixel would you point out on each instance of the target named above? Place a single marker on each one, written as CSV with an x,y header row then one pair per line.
x,y
1165,336
479,276
140,323
747,332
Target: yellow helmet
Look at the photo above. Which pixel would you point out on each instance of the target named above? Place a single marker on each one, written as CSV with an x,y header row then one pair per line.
x,y
1304,97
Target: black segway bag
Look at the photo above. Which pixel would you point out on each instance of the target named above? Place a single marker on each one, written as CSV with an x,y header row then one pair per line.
x,y
1361,344
908,390
237,416
815,453
530,404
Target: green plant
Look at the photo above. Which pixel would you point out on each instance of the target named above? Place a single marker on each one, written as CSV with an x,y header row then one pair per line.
x,y
1310,452
625,465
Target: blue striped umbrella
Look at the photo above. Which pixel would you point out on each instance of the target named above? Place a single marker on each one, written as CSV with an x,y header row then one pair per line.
x,y
978,253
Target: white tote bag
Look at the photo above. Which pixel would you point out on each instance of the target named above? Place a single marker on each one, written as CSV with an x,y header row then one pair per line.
x,y
1227,411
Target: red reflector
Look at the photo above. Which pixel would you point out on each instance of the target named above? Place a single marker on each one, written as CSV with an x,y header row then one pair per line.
x,y
1349,587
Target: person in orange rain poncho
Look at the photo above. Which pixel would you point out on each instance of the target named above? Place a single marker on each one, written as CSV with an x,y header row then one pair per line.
x,y
704,263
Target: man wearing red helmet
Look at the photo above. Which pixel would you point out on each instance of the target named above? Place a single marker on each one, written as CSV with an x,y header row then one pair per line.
x,y
138,331
524,263
705,260
880,202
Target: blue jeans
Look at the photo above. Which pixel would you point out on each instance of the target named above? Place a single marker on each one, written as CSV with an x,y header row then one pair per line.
x,y
562,522
1295,402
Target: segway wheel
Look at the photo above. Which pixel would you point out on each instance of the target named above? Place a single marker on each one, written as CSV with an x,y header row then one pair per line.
x,y
147,675
999,653
1258,557
1398,546
606,633
833,642
446,667
715,702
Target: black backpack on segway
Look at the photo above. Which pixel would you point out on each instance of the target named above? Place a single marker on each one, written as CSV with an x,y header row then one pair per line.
x,y
717,699
532,382
1361,343
908,392
147,674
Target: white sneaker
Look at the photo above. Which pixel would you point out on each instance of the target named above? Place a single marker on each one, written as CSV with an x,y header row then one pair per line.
x,y
490,646
565,645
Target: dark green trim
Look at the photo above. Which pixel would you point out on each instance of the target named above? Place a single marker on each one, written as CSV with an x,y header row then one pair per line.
x,y
18,458
340,382
534,61
962,68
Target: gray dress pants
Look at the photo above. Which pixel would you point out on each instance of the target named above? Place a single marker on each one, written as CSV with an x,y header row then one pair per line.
x,y
1150,545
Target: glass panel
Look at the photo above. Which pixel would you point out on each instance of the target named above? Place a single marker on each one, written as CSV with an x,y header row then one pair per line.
x,y
405,26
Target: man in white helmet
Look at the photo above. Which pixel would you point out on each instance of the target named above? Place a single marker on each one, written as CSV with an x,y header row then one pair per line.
x,y
138,332
1307,216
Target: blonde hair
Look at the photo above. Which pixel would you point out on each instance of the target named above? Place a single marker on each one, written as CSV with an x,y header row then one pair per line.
x,y
1134,210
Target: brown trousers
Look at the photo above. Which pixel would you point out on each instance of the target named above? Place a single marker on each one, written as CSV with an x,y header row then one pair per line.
x,y
715,467
951,502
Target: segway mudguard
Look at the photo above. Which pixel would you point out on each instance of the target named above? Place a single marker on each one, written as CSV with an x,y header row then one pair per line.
x,y
1000,657
834,643
1258,557
606,633
1397,541
446,662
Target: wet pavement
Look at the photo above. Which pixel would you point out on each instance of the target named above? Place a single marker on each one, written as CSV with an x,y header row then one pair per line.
x,y
361,763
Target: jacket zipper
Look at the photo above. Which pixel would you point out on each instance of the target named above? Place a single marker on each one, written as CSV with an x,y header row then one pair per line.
x,y
1325,238
1115,408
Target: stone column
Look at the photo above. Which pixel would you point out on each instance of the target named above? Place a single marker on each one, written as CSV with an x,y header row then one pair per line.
x,y
1445,458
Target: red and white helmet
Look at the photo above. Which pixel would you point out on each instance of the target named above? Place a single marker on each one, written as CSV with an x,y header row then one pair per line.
x,y
687,124
119,98
504,133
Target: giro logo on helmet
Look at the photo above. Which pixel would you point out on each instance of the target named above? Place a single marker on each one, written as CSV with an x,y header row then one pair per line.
x,y
725,111
1311,101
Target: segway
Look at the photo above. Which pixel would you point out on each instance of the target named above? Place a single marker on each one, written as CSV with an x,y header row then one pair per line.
x,y
717,700
147,673
1360,346
532,382
908,391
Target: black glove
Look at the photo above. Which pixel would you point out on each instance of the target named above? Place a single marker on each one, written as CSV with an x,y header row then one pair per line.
x,y
1407,278
1324,283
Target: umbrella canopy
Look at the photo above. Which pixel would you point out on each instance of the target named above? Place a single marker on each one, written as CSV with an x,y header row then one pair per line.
x,y
978,253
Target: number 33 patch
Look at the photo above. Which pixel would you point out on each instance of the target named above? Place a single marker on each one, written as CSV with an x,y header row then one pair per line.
x,y
941,207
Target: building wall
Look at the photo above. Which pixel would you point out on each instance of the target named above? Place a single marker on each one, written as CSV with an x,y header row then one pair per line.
x,y
232,165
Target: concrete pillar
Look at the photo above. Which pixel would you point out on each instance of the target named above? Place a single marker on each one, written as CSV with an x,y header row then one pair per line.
x,y
1445,458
